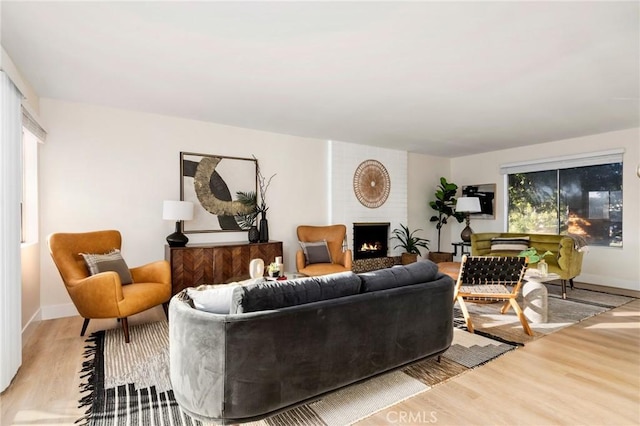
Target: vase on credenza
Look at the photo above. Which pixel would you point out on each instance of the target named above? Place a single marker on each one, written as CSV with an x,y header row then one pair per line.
x,y
264,229
254,234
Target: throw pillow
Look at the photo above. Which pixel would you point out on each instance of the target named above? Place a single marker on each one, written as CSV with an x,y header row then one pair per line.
x,y
316,252
215,299
111,261
515,244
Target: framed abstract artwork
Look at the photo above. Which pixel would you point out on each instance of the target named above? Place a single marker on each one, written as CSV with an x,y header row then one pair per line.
x,y
222,190
487,195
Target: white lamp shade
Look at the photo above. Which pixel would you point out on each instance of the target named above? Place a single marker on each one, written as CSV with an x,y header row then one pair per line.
x,y
177,210
468,205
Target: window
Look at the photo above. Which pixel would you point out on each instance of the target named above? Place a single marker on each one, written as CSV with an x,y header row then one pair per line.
x,y
585,200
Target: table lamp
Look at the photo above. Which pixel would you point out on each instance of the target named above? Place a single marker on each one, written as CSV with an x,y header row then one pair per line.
x,y
178,211
467,205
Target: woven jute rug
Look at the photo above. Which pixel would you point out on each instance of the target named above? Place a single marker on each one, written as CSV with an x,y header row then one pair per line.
x,y
129,384
579,305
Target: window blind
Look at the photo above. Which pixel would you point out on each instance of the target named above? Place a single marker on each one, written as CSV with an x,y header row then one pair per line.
x,y
565,162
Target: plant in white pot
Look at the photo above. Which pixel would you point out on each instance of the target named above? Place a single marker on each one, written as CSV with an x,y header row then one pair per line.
x,y
410,243
444,204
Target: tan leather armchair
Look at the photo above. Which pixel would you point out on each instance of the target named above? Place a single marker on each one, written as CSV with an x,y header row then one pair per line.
x,y
334,235
102,295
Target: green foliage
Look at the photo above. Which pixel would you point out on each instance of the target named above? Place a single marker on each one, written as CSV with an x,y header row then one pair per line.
x,y
532,203
245,221
445,204
410,243
532,254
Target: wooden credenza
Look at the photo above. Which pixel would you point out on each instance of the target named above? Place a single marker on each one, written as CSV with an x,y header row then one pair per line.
x,y
216,263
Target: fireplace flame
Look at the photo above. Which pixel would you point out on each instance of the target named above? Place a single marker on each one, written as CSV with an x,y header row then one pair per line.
x,y
370,247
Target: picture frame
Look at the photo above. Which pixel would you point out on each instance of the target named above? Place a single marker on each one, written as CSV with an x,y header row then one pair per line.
x,y
213,183
487,195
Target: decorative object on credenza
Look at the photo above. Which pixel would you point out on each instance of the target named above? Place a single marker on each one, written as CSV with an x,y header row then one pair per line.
x,y
371,184
178,211
410,243
261,207
273,270
467,205
444,204
208,181
256,268
253,234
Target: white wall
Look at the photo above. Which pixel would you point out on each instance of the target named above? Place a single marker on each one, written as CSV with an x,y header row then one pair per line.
x,y
105,168
608,266
345,207
424,174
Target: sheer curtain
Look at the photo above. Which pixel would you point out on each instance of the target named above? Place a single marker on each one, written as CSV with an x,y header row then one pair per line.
x,y
10,197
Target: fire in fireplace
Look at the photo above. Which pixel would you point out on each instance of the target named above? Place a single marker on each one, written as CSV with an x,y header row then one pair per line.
x,y
370,239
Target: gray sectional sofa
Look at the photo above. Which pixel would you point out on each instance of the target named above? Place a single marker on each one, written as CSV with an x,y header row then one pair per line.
x,y
289,342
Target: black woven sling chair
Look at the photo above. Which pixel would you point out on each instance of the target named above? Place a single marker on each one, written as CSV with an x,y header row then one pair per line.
x,y
489,278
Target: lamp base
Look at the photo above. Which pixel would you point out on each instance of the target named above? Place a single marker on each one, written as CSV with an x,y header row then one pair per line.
x,y
177,239
466,234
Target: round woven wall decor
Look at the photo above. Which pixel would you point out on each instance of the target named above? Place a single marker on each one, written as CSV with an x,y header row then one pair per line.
x,y
371,184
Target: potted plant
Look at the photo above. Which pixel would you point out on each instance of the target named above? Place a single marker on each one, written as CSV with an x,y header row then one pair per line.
x,y
533,257
410,243
444,204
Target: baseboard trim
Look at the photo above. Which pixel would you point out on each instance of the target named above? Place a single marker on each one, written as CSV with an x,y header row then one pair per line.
x,y
30,327
607,289
613,283
59,311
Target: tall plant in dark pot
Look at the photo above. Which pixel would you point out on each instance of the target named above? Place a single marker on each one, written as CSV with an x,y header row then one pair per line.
x,y
444,205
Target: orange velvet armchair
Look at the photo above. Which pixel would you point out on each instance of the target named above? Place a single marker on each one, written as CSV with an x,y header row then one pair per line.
x,y
103,295
334,235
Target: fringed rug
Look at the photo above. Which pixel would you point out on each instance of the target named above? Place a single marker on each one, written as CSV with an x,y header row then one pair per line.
x,y
128,384
579,305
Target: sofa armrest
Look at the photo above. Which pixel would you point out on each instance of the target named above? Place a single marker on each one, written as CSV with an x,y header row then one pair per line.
x,y
347,259
569,259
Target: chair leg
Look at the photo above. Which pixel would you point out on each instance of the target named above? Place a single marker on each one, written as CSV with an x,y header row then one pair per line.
x,y
125,328
165,306
84,326
571,283
465,313
505,307
523,319
439,358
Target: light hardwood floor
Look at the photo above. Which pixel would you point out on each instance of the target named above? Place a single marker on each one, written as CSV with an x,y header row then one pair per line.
x,y
585,374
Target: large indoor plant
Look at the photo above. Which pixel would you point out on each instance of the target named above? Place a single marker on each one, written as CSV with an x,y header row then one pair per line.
x,y
410,243
444,205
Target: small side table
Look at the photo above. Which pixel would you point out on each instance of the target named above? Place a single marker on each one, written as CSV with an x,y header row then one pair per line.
x,y
465,248
535,296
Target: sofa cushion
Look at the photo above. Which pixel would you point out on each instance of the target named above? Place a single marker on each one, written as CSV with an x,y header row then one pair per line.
x,y
316,252
111,261
509,244
281,294
398,276
216,299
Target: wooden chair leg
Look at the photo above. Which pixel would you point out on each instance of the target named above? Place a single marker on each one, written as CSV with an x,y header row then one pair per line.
x,y
125,328
523,319
571,283
84,326
439,358
165,306
465,313
505,307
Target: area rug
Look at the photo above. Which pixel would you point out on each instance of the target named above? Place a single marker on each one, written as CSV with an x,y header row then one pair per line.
x,y
129,384
579,305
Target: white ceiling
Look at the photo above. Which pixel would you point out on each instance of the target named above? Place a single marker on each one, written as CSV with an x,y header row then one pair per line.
x,y
440,78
